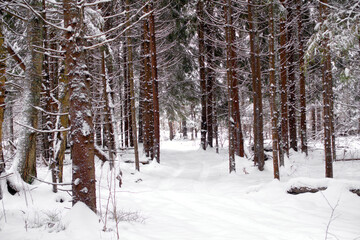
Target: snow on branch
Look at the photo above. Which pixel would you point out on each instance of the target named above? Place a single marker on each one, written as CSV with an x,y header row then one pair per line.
x,y
42,131
39,15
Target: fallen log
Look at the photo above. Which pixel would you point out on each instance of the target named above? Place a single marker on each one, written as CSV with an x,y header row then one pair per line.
x,y
299,190
356,191
143,162
347,159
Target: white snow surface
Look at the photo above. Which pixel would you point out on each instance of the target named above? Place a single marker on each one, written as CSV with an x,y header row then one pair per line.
x,y
191,195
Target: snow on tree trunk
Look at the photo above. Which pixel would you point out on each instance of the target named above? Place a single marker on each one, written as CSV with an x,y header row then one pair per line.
x,y
284,93
155,81
2,97
326,78
273,108
291,75
257,95
82,130
201,45
303,131
32,85
132,88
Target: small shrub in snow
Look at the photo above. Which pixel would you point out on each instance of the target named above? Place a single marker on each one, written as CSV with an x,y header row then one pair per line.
x,y
48,220
126,216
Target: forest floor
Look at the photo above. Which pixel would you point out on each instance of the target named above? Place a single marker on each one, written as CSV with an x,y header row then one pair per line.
x,y
191,196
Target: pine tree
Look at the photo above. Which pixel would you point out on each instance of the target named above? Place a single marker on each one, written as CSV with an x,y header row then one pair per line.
x,y
82,131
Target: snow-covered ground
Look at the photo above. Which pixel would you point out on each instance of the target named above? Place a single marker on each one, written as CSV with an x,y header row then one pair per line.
x,y
191,195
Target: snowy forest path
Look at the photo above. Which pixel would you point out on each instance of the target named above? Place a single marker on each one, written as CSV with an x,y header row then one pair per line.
x,y
191,195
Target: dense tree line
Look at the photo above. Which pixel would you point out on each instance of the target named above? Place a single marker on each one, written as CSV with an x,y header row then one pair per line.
x,y
99,77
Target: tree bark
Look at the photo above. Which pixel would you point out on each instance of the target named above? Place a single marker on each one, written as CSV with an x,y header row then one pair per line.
x,y
313,122
2,97
303,131
82,130
201,43
131,86
284,93
273,108
171,130
126,98
148,106
108,127
34,79
209,89
291,76
230,79
257,95
48,121
155,82
326,78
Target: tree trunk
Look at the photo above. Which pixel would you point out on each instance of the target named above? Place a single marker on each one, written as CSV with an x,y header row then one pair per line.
x,y
200,30
291,76
155,83
184,129
210,75
216,126
131,86
122,143
209,90
171,130
108,127
273,108
2,97
148,106
82,130
318,119
283,76
235,96
313,122
326,94
303,132
33,79
230,79
257,95
126,98
48,120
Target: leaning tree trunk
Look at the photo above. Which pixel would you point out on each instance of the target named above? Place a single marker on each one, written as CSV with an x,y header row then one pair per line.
x,y
82,130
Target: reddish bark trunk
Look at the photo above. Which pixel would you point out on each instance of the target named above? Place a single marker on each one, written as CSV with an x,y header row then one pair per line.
x,y
82,132
303,132
284,93
155,82
200,30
